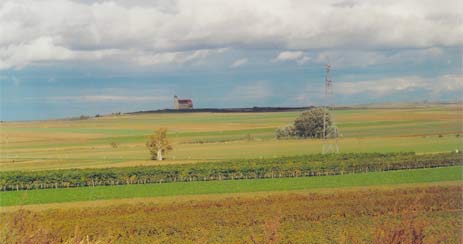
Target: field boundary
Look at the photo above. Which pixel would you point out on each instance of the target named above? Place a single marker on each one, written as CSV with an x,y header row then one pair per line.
x,y
287,167
213,197
12,198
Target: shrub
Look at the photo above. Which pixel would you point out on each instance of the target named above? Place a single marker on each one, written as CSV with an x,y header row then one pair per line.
x,y
285,132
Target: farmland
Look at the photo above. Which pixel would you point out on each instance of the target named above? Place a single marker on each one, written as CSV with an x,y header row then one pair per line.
x,y
404,215
230,186
303,166
228,180
219,136
210,122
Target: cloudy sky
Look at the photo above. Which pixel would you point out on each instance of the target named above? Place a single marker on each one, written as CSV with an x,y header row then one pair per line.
x,y
61,58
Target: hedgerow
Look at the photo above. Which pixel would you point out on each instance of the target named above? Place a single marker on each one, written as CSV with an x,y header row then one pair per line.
x,y
298,166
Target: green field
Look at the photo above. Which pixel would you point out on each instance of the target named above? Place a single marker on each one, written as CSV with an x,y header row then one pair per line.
x,y
348,208
230,186
220,136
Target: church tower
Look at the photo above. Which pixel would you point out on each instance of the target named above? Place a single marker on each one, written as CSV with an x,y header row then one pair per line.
x,y
176,102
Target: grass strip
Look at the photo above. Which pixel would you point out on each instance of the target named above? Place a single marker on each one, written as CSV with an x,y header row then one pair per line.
x,y
230,186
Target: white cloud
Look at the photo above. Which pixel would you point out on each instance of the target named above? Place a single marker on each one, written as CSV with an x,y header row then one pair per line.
x,y
55,30
298,56
289,56
109,98
173,57
255,90
239,62
447,83
158,94
39,49
443,87
303,60
365,58
387,86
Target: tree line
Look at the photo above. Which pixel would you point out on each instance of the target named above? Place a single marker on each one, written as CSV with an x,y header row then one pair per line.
x,y
296,166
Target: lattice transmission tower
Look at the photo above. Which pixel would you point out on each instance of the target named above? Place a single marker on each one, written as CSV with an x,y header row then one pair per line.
x,y
330,131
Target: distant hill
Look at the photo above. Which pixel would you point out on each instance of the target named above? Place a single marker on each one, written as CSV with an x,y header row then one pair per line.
x,y
403,105
224,110
283,109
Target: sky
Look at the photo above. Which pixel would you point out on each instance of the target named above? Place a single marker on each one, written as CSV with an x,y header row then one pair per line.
x,y
65,58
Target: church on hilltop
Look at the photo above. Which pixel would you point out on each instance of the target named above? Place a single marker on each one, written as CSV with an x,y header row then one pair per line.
x,y
182,103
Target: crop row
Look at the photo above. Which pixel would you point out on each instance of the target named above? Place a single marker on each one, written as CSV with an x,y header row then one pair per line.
x,y
299,166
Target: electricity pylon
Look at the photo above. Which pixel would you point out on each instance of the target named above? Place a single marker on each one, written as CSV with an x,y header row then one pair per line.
x,y
330,131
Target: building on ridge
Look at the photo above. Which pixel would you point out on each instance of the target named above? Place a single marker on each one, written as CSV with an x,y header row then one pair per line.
x,y
182,103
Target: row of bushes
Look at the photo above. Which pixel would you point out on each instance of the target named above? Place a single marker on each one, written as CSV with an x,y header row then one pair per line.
x,y
310,165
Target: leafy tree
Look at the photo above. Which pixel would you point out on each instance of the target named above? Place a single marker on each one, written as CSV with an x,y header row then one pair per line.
x,y
310,123
158,145
285,132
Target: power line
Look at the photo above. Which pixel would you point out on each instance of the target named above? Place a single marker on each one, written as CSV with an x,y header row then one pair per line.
x,y
330,131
